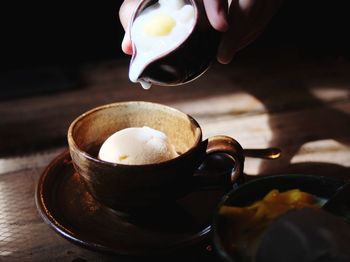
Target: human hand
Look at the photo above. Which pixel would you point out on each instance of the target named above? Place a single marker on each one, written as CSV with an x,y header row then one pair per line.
x,y
240,21
245,21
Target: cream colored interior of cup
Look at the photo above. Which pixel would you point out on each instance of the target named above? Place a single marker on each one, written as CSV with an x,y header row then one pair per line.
x,y
96,126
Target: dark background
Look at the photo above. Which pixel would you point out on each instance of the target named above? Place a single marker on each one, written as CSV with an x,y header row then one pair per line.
x,y
63,32
43,43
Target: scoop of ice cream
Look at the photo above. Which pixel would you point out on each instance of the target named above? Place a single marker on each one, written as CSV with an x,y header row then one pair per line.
x,y
137,146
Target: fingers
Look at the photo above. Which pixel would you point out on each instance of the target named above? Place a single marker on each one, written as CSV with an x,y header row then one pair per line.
x,y
217,13
127,45
125,12
239,24
247,20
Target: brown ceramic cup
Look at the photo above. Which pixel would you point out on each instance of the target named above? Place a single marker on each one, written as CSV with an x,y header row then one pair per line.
x,y
129,187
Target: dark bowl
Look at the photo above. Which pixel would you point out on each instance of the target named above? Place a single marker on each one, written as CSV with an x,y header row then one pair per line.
x,y
187,61
320,186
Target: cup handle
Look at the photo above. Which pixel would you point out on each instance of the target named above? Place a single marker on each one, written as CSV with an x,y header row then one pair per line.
x,y
228,148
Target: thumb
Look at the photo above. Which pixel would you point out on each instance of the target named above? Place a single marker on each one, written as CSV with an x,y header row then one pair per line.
x,y
125,13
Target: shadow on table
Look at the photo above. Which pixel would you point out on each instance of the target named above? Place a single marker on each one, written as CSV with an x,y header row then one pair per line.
x,y
325,114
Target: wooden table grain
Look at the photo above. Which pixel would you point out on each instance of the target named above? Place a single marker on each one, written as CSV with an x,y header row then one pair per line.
x,y
299,105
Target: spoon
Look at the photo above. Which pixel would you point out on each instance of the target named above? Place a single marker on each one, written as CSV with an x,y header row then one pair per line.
x,y
266,153
220,164
339,203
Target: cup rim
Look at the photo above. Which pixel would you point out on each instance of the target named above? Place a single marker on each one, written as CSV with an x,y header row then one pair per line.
x,y
72,143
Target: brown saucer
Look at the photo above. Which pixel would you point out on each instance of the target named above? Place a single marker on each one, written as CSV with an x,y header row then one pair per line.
x,y
67,207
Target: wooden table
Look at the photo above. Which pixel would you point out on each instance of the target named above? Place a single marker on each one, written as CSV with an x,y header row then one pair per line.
x,y
299,105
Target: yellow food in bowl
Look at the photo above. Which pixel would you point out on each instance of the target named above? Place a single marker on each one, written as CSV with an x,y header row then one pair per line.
x,y
274,204
244,225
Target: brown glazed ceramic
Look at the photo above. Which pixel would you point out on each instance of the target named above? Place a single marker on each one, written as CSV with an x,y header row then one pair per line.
x,y
182,227
190,59
132,187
